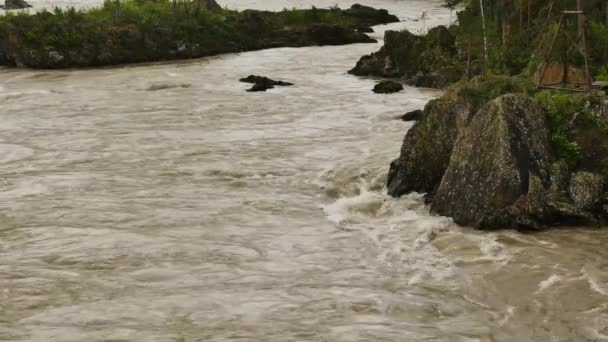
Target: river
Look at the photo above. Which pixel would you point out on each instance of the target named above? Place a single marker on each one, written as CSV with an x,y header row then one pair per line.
x,y
163,202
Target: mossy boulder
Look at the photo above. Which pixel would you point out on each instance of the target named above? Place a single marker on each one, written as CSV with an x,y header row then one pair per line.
x,y
427,147
493,161
425,61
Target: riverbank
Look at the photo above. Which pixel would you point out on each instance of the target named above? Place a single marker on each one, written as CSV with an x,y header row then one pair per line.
x,y
498,151
145,31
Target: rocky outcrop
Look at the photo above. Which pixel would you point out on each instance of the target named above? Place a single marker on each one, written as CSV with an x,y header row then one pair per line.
x,y
261,83
494,167
16,4
369,16
387,87
427,148
423,61
494,161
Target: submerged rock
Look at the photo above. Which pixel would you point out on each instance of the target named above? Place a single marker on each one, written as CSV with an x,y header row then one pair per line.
x,y
262,83
388,87
414,115
424,61
16,4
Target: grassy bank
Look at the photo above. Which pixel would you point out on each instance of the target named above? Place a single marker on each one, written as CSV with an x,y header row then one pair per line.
x,y
136,30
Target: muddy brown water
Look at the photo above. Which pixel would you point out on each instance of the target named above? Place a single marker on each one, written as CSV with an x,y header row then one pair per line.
x,y
162,202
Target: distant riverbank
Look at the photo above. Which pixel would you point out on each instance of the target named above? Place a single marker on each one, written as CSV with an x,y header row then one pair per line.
x,y
140,31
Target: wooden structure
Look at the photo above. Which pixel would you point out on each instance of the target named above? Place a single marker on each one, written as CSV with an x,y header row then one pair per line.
x,y
580,43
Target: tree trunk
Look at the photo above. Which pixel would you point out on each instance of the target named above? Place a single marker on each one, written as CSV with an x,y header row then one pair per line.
x,y
485,39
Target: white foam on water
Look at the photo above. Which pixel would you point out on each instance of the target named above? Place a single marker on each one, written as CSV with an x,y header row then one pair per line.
x,y
547,283
367,203
593,283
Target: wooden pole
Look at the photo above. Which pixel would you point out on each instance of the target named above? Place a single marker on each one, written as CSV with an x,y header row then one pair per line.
x,y
581,20
548,57
585,55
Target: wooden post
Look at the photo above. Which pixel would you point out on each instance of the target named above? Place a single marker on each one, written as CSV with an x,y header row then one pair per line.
x,y
581,20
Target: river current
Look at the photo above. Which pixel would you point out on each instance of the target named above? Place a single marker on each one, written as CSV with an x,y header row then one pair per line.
x,y
163,202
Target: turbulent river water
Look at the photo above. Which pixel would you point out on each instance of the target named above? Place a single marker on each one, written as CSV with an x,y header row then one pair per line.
x,y
162,202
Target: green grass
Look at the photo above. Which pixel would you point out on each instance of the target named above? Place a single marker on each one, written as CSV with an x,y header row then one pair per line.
x,y
144,30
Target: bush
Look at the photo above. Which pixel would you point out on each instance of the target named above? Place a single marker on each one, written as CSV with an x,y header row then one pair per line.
x,y
479,91
565,113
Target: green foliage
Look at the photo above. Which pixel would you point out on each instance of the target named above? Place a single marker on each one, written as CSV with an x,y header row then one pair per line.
x,y
565,112
141,30
479,91
299,17
602,74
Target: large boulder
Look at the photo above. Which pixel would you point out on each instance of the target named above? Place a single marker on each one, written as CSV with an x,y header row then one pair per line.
x,y
425,61
427,148
503,148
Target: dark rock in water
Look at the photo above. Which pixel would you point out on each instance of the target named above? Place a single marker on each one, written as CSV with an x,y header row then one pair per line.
x,y
262,83
264,80
336,35
370,16
493,161
414,115
16,4
388,87
423,61
260,87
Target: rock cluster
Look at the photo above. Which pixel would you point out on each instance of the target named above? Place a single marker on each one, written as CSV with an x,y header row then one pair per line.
x,y
494,167
422,61
262,83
